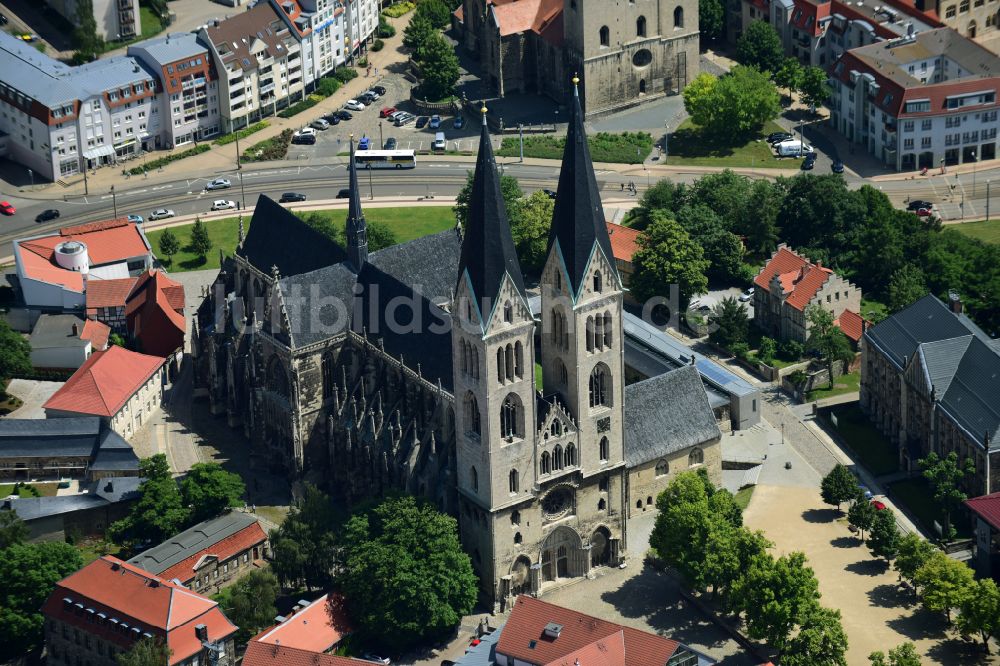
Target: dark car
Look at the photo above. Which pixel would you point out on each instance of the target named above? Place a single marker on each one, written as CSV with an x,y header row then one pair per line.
x,y
459,122
332,118
344,114
422,122
778,137
3,20
366,98
837,166
344,193
390,143
809,162
918,204
379,89
304,140
289,197
551,194
46,215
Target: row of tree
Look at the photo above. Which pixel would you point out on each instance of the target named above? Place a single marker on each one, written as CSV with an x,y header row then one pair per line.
x,y
201,242
699,532
433,55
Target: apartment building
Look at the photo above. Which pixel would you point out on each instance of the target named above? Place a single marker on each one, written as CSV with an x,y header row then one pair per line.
x,y
115,19
259,63
361,21
189,105
320,26
924,100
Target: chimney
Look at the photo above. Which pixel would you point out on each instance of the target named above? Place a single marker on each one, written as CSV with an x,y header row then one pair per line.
x,y
76,330
201,632
954,301
109,487
819,264
552,630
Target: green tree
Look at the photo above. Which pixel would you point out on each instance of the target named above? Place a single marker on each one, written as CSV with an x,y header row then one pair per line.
x,y
88,43
861,515
757,220
906,286
904,654
814,86
980,612
435,11
665,195
116,340
721,248
28,574
249,603
438,67
788,75
145,652
732,106
913,551
304,547
379,234
158,513
730,322
820,212
698,98
827,340
169,245
768,349
15,354
530,229
510,190
884,538
946,476
208,490
711,19
838,486
155,468
403,567
13,530
667,256
821,641
200,241
417,32
760,46
946,583
728,553
776,596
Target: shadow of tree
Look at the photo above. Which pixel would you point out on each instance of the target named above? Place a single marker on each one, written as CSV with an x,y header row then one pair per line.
x,y
889,595
845,542
922,624
867,567
959,652
193,264
820,515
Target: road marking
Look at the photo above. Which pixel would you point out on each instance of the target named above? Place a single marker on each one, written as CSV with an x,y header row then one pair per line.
x,y
162,187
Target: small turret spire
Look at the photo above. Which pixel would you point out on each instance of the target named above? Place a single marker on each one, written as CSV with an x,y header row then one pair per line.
x,y
357,228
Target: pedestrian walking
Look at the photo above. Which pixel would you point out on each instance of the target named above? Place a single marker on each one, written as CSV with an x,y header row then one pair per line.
x,y
623,187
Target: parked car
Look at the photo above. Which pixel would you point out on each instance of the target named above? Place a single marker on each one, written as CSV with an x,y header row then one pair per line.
x,y
344,193
135,219
435,122
305,131
924,212
29,37
422,122
379,89
332,118
365,143
344,114
551,194
374,93
746,295
320,124
459,122
918,204
778,137
395,114
3,20
387,111
374,657
223,204
46,215
7,208
837,166
366,98
218,184
809,162
161,214
879,506
304,139
354,105
390,143
404,118
289,197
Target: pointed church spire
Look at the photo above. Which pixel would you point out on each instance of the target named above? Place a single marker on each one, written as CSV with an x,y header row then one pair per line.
x,y
357,228
578,222
487,246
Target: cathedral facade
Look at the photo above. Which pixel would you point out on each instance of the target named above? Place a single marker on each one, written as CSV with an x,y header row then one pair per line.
x,y
626,51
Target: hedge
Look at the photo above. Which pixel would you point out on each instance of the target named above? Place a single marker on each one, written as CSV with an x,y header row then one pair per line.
x,y
307,103
626,148
167,159
378,45
45,375
274,148
345,74
327,86
244,133
399,9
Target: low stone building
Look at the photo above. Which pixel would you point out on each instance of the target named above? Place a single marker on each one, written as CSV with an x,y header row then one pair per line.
x,y
210,555
669,428
66,341
788,285
82,447
930,381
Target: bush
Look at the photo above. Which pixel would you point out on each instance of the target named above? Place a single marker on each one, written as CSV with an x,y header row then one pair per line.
x,y
740,350
399,9
244,133
274,148
627,147
385,29
327,86
363,62
345,74
791,350
378,45
164,161
768,348
294,109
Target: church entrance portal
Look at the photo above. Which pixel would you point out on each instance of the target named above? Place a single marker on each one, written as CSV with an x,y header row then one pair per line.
x,y
562,555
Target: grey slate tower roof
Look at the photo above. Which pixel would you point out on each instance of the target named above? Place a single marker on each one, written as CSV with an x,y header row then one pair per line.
x,y
278,238
487,246
578,222
357,228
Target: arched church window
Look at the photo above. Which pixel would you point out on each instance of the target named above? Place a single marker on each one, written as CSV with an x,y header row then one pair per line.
x,y
472,413
604,449
600,389
640,26
571,455
510,417
598,285
696,457
662,468
508,312
679,17
518,359
329,379
545,463
557,457
501,366
509,357
605,36
608,329
512,480
474,479
590,334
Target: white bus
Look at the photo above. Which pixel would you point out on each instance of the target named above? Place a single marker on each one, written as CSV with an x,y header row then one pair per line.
x,y
385,159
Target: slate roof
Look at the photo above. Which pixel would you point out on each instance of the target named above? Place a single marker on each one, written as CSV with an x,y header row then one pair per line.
x,y
114,454
277,237
973,396
172,47
926,320
101,494
94,78
68,437
35,74
666,414
57,331
194,540
488,252
578,222
234,37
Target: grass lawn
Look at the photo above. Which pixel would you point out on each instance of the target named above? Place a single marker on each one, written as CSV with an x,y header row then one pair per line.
x,y
742,497
873,309
538,374
276,514
871,448
688,146
91,549
44,489
850,383
988,231
916,495
406,224
626,148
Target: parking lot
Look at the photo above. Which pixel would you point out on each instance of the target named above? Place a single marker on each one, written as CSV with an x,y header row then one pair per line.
x,y
367,123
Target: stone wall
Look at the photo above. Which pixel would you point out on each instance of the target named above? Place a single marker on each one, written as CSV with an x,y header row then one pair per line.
x,y
645,484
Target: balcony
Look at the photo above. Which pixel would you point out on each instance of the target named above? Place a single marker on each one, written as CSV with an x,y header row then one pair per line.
x,y
264,89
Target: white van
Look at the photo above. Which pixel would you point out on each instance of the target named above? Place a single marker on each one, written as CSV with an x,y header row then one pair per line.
x,y
792,148
439,142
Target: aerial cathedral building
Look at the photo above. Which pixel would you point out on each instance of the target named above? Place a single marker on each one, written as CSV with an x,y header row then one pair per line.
x,y
412,368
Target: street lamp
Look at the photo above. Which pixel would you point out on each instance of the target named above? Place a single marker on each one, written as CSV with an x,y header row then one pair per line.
x,y
114,201
987,199
974,160
381,142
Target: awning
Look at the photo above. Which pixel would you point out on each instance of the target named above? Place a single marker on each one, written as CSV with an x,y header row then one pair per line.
x,y
99,151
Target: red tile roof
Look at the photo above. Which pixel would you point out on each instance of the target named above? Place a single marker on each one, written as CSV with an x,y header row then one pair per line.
x,y
105,382
139,599
250,536
514,17
851,324
108,293
806,10
262,654
799,278
155,313
97,333
624,241
986,507
582,635
318,627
